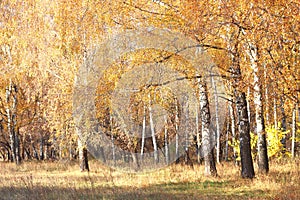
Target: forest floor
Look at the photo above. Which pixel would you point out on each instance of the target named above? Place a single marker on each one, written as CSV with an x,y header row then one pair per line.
x,y
63,180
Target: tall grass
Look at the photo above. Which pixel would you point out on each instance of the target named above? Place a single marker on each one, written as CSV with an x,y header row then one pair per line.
x,y
63,180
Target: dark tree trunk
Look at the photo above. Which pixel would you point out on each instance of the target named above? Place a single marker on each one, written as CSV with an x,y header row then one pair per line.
x,y
83,157
9,157
283,123
263,160
35,153
84,166
244,130
242,112
102,154
27,153
22,148
42,148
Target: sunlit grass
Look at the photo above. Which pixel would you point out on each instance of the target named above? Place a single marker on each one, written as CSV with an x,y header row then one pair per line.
x,y
63,180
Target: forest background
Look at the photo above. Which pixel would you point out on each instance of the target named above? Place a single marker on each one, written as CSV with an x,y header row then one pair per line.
x,y
254,45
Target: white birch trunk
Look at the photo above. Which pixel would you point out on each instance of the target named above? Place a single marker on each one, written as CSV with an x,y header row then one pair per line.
x,y
248,105
46,152
41,147
11,135
155,153
11,112
275,114
198,136
9,123
294,128
266,95
143,132
233,128
263,163
166,140
187,126
227,137
112,141
207,147
176,130
217,118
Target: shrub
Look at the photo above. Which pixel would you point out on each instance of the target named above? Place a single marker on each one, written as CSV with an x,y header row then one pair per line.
x,y
275,146
274,138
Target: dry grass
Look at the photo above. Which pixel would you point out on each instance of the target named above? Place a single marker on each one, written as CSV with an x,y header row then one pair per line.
x,y
45,180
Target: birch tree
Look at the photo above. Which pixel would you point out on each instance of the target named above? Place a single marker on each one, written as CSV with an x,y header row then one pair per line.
x,y
294,130
216,98
11,110
207,136
263,164
242,112
155,153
